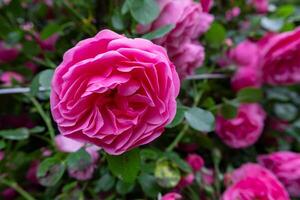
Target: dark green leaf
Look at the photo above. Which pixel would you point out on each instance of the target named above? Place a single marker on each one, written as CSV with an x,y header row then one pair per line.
x,y
178,117
149,185
37,129
105,183
117,21
15,134
49,30
148,154
123,187
216,34
143,11
285,111
34,86
2,144
229,111
50,171
14,37
31,48
125,8
200,119
45,78
125,166
248,95
79,160
180,162
158,33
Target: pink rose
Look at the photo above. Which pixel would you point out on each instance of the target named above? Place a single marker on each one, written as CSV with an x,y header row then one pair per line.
x,y
252,181
232,13
7,53
286,166
47,44
128,86
32,171
245,53
261,6
67,145
245,129
8,78
189,57
246,77
190,22
171,196
2,155
9,194
208,176
185,181
280,59
206,5
195,161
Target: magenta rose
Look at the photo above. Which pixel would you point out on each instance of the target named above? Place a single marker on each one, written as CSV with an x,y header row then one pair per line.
x,y
243,130
286,166
195,161
190,21
206,5
8,53
189,57
115,92
261,6
246,77
232,13
171,196
47,44
7,78
251,181
280,59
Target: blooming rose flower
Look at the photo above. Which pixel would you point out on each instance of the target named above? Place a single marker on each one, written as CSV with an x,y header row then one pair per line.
x,y
190,21
47,44
195,161
246,77
245,129
8,77
185,181
286,166
280,59
171,196
67,145
252,181
206,5
8,54
188,57
232,13
260,5
114,92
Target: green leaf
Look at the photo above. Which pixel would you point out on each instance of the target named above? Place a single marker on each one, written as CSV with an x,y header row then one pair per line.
x,y
166,173
148,154
2,144
285,10
45,78
117,21
31,48
34,86
50,171
248,95
79,160
105,183
285,111
200,119
229,111
15,134
14,37
272,24
149,185
216,35
125,8
143,11
125,166
178,117
158,33
124,188
49,30
180,162
37,129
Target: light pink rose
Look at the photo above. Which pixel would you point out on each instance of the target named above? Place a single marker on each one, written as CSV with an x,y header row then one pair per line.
x,y
67,145
189,57
243,130
7,78
171,196
251,181
246,77
195,161
261,6
8,53
286,166
190,22
280,59
128,86
232,13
